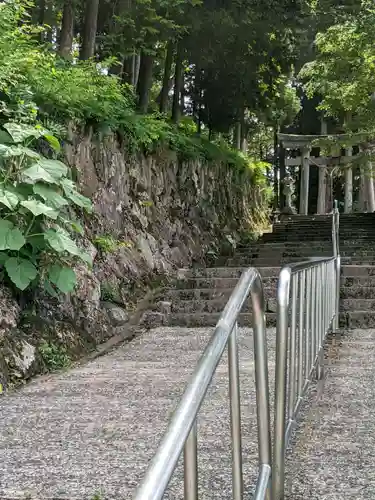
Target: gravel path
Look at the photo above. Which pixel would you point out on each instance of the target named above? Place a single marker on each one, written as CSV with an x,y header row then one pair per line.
x,y
333,454
94,428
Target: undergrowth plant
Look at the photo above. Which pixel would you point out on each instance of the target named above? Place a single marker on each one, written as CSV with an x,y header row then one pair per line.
x,y
108,244
36,200
55,356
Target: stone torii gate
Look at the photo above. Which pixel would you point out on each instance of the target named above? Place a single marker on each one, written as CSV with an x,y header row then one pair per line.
x,y
303,144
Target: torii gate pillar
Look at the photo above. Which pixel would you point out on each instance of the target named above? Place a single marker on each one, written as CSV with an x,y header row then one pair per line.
x,y
305,179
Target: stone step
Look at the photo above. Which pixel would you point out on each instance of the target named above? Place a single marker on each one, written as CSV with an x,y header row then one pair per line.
x,y
312,234
294,238
200,319
357,304
348,243
309,251
354,336
262,262
360,319
355,292
214,306
358,270
357,281
261,242
211,319
217,303
350,280
294,251
218,282
225,272
259,263
172,294
297,251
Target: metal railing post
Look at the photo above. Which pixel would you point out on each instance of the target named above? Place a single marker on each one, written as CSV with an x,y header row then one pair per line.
x,y
262,391
293,353
278,471
235,415
181,433
313,285
335,325
191,465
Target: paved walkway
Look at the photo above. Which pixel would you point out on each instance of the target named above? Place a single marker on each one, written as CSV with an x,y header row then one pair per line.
x,y
333,457
93,429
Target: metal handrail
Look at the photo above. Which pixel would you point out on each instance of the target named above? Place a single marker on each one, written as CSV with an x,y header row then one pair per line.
x,y
335,229
307,309
181,433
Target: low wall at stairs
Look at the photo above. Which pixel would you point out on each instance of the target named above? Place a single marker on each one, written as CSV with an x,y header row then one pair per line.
x,y
158,214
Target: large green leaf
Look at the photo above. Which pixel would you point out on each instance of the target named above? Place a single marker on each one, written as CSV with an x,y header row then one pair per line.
x,y
55,168
61,242
3,257
20,271
5,137
19,131
38,173
3,150
11,237
50,195
64,278
74,225
77,198
49,171
38,208
8,198
53,142
19,150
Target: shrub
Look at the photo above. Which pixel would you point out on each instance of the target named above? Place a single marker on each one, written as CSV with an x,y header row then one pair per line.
x,y
36,194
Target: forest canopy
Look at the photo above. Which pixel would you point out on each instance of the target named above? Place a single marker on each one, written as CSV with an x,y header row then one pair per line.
x,y
205,77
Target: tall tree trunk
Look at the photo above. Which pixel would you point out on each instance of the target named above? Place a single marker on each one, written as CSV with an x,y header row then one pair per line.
x,y
137,67
178,82
183,95
197,97
166,78
90,24
283,175
41,11
243,141
117,69
51,21
39,18
276,167
237,135
66,35
145,81
127,70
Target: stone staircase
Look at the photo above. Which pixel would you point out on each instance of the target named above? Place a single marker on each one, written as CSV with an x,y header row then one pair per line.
x,y
200,294
90,432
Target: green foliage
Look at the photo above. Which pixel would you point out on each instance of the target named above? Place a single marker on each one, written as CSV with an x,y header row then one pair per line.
x,y
150,133
79,92
110,292
342,73
35,196
109,244
39,88
54,356
35,83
